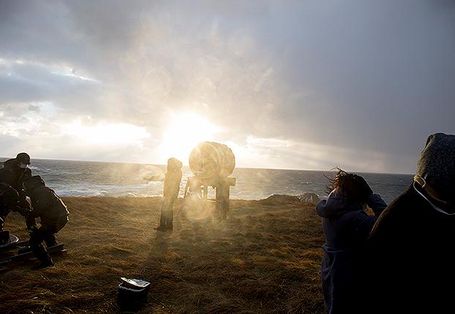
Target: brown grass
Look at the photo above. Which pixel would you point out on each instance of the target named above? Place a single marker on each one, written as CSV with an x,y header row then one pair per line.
x,y
264,258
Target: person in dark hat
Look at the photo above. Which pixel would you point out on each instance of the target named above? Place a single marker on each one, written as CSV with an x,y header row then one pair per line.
x,y
170,193
53,215
409,258
346,226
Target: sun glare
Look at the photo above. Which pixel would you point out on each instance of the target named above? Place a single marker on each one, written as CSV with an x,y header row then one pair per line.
x,y
184,131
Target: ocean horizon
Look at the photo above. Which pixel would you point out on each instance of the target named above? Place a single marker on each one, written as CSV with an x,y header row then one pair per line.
x,y
100,178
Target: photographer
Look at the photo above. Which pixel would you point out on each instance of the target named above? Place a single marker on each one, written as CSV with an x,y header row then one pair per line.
x,y
346,226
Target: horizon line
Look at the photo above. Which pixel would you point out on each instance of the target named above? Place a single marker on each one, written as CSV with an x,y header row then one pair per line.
x,y
257,168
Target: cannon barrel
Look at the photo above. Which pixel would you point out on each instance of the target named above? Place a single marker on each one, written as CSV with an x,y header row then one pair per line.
x,y
210,161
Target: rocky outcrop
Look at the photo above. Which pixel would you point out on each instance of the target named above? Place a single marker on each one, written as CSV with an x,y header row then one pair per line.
x,y
308,198
311,198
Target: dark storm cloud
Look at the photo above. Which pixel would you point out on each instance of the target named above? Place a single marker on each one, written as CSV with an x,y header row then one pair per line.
x,y
27,82
365,75
381,72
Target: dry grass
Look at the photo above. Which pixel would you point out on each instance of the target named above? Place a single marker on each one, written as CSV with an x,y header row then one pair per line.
x,y
264,258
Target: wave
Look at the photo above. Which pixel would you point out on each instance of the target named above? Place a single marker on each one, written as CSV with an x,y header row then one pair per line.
x,y
70,178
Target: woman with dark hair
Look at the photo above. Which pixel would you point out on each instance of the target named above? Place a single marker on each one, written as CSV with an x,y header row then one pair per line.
x,y
346,226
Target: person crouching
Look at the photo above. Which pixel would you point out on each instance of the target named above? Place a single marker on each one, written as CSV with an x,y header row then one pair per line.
x,y
53,215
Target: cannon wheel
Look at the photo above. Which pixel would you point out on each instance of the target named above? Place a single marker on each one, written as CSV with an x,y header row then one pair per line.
x,y
12,243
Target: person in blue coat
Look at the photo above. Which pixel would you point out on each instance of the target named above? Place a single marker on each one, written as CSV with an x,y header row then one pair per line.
x,y
346,226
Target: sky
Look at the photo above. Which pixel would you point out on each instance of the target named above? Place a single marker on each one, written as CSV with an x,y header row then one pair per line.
x,y
308,84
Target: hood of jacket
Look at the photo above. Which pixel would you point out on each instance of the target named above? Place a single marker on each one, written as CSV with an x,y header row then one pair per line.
x,y
10,164
335,206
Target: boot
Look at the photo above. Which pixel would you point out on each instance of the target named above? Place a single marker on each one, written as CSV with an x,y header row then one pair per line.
x,y
50,241
44,264
41,253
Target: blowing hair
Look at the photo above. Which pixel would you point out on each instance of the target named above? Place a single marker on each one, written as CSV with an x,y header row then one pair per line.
x,y
352,186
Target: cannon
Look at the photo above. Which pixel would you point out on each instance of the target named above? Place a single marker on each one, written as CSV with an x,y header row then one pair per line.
x,y
212,163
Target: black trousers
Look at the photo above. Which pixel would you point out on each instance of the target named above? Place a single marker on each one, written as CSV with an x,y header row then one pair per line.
x,y
45,233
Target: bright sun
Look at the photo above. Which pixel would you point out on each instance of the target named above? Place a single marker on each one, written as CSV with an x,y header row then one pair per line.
x,y
184,131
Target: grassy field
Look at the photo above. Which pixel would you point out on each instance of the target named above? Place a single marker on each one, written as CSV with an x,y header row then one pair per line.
x,y
264,258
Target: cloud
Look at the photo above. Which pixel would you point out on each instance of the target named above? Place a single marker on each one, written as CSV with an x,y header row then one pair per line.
x,y
119,134
29,81
364,80
284,154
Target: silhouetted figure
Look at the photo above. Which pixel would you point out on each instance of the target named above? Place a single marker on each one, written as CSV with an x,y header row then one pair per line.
x,y
13,174
15,171
411,246
346,226
53,215
9,199
170,193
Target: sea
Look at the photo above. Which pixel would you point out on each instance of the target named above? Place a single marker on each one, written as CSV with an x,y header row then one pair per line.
x,y
84,178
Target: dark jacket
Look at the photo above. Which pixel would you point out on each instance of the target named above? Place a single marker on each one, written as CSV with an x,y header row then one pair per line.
x,y
346,227
47,206
13,175
9,199
411,250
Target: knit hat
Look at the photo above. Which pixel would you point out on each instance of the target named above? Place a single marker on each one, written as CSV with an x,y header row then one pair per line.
x,y
437,164
23,158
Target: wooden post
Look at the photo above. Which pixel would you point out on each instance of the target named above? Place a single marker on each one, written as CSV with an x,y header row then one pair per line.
x,y
222,196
